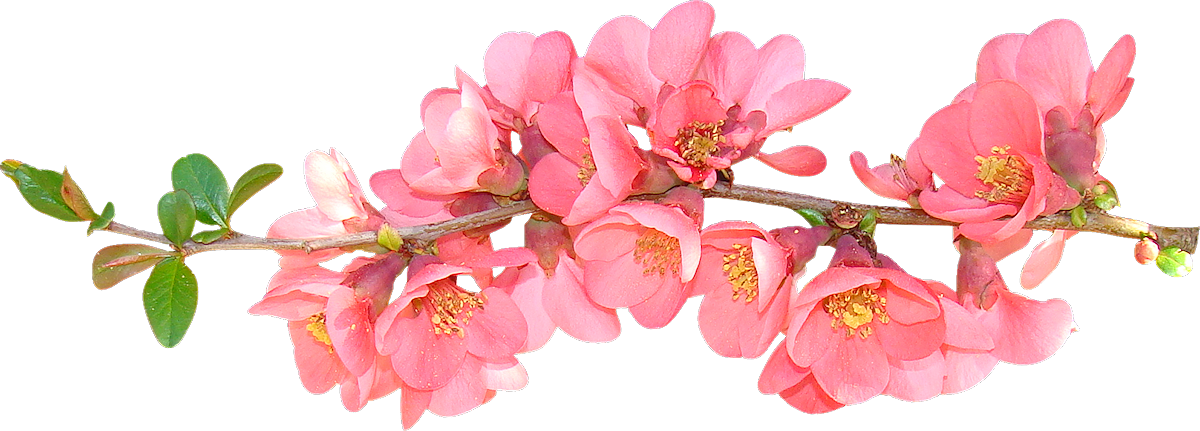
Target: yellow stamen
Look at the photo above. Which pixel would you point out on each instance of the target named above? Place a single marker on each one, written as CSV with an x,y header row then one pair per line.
x,y
743,276
450,308
699,141
855,309
316,327
657,252
1009,175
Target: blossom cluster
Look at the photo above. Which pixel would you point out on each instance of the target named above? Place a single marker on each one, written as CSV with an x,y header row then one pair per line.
x,y
556,127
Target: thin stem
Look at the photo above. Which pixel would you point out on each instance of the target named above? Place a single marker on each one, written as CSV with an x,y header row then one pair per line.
x,y
1184,238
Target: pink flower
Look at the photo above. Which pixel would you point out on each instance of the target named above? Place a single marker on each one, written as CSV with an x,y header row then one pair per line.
x,y
555,298
1054,66
460,149
594,166
900,179
524,71
989,153
744,274
707,102
860,331
641,255
331,321
1025,331
341,208
452,347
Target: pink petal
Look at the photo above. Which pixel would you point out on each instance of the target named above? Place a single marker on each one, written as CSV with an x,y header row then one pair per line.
x,y
811,339
673,222
319,369
998,59
853,371
1004,115
719,317
1055,66
758,329
724,65
910,342
962,330
944,146
554,184
497,330
882,180
1005,248
356,390
348,322
1110,79
527,293
467,152
780,63
505,377
947,203
413,403
620,282
617,164
800,101
916,380
800,160
1027,331
596,97
607,238
561,122
770,261
966,368
809,397
780,373
330,189
549,70
618,54
1044,259
661,308
677,43
462,393
423,359
831,281
569,307
504,66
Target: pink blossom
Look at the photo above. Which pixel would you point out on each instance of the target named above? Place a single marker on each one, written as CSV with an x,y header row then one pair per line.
x,y
744,274
331,321
900,179
452,347
640,255
593,168
341,208
708,102
989,153
524,71
1053,64
555,298
863,331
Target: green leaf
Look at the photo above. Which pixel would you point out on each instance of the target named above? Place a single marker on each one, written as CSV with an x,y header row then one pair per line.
x,y
813,217
177,216
170,300
868,222
73,196
115,263
252,182
105,218
1079,216
389,238
200,177
1105,202
1173,262
208,236
43,191
9,168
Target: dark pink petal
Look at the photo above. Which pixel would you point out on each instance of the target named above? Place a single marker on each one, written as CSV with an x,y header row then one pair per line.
x,y
780,373
497,330
800,160
527,293
800,101
423,359
809,397
916,380
696,101
1110,79
661,308
677,43
348,322
608,238
618,55
962,330
413,403
947,203
1002,249
881,180
780,63
831,281
1044,259
561,122
1055,66
853,371
998,59
554,184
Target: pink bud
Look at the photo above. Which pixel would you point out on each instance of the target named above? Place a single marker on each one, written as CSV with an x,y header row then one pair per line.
x,y
1146,251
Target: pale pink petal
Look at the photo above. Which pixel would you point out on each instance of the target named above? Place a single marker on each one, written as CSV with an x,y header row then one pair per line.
x,y
853,371
462,393
661,308
347,321
569,307
881,180
1055,66
800,101
1110,79
998,59
719,317
467,152
505,377
527,293
800,160
780,373
1027,331
677,43
1044,259
413,403
319,369
962,330
966,368
330,189
810,337
618,54
780,63
725,66
948,204
770,261
435,115
504,67
423,359
916,380
497,330
1003,115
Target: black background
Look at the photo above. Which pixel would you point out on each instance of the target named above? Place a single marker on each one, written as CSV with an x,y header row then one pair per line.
x,y
118,95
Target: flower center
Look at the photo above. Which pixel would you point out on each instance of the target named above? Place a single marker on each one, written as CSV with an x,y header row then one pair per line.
x,y
699,141
1009,175
450,307
743,276
316,327
855,309
587,170
657,252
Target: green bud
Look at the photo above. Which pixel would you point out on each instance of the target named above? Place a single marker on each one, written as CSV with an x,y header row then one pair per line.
x,y
389,238
813,217
1106,202
1174,262
868,222
1079,216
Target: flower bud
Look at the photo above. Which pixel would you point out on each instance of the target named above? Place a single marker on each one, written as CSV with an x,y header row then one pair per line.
x,y
1145,251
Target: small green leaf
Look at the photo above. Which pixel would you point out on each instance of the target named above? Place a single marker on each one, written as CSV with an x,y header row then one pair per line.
x,y
1105,202
1079,216
177,216
43,191
252,182
74,198
200,177
131,259
170,300
389,238
813,217
1173,262
208,236
105,219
